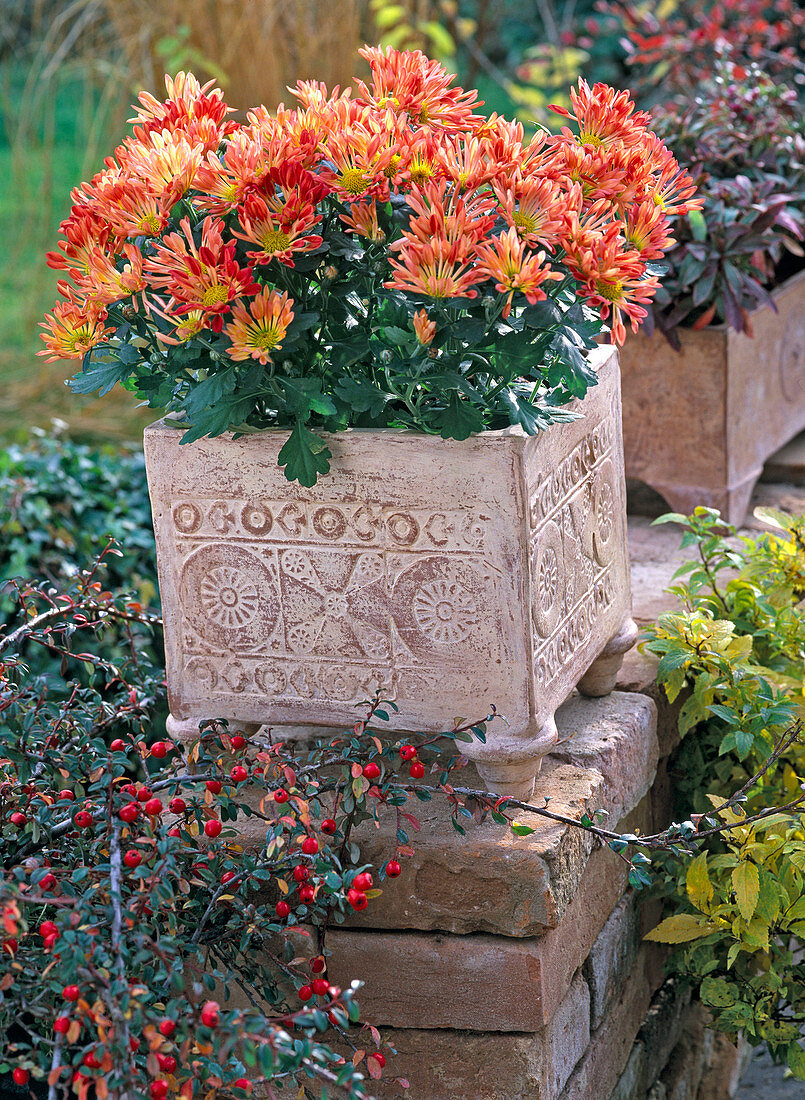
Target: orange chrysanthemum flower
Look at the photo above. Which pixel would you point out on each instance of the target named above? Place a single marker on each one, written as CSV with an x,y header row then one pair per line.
x,y
280,225
447,215
409,82
536,208
425,330
511,267
672,188
204,276
434,269
168,163
360,159
72,329
190,107
225,182
259,329
647,230
605,117
362,218
105,283
84,231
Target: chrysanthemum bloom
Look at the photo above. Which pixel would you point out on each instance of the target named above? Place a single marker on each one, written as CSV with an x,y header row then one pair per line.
x,y
425,330
280,225
359,160
672,188
464,161
434,269
204,276
104,283
71,330
168,164
84,232
185,326
225,182
200,113
441,212
511,267
536,208
612,278
362,218
130,207
604,116
410,82
259,329
647,230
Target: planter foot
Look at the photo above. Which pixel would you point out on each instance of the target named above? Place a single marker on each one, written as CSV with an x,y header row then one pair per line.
x,y
732,501
517,778
602,675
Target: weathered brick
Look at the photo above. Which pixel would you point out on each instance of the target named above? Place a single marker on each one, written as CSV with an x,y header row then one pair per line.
x,y
612,956
601,1067
617,737
725,1064
567,1036
632,1082
662,1027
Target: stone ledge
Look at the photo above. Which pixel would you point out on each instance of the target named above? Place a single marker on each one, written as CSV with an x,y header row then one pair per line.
x,y
493,881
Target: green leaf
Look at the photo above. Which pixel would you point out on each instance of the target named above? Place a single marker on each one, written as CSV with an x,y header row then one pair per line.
x,y
522,830
746,883
680,929
304,456
697,883
796,1060
698,226
717,992
100,375
460,419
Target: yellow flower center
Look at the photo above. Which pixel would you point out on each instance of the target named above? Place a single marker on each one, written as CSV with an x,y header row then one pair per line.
x,y
150,225
214,295
266,338
586,137
613,292
354,181
391,170
421,173
274,240
524,222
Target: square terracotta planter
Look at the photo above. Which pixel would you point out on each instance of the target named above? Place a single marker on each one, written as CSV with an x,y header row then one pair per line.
x,y
453,575
698,425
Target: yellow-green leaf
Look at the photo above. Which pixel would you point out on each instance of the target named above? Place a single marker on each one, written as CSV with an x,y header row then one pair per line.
x,y
697,881
746,883
796,1061
680,929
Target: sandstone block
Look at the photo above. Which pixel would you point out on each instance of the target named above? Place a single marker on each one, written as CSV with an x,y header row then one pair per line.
x,y
612,956
725,1064
611,1045
567,1036
663,1026
632,1082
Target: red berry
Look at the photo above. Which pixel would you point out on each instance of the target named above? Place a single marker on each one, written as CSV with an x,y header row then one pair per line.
x,y
129,813
307,893
328,826
71,993
174,832
371,770
213,786
167,1028
305,993
10,947
239,773
417,769
283,909
213,827
407,752
18,819
242,1083
301,873
363,882
47,882
159,749
92,1061
317,964
61,1025
393,868
68,796
153,807
20,1076
130,788
132,858
357,900
310,845
281,795
49,941
143,794
227,876
238,741
209,1014
177,805
159,1089
134,1044
83,819
48,928
320,986
118,745
379,1058
167,1062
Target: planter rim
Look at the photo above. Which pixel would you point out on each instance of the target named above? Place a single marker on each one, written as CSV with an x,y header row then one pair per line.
x,y
599,356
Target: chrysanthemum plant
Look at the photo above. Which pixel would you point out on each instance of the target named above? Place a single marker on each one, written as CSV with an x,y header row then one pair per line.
x,y
377,258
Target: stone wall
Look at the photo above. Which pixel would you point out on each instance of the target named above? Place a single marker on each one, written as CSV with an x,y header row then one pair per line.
x,y
505,967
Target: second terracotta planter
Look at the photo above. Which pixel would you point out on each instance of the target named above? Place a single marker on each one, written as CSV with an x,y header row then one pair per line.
x,y
699,424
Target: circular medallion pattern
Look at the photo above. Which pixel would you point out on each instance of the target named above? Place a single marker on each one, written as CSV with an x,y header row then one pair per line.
x,y
548,579
329,522
442,608
403,528
256,519
229,597
187,517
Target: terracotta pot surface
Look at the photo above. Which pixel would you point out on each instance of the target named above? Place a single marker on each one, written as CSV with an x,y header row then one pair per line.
x,y
452,575
698,425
